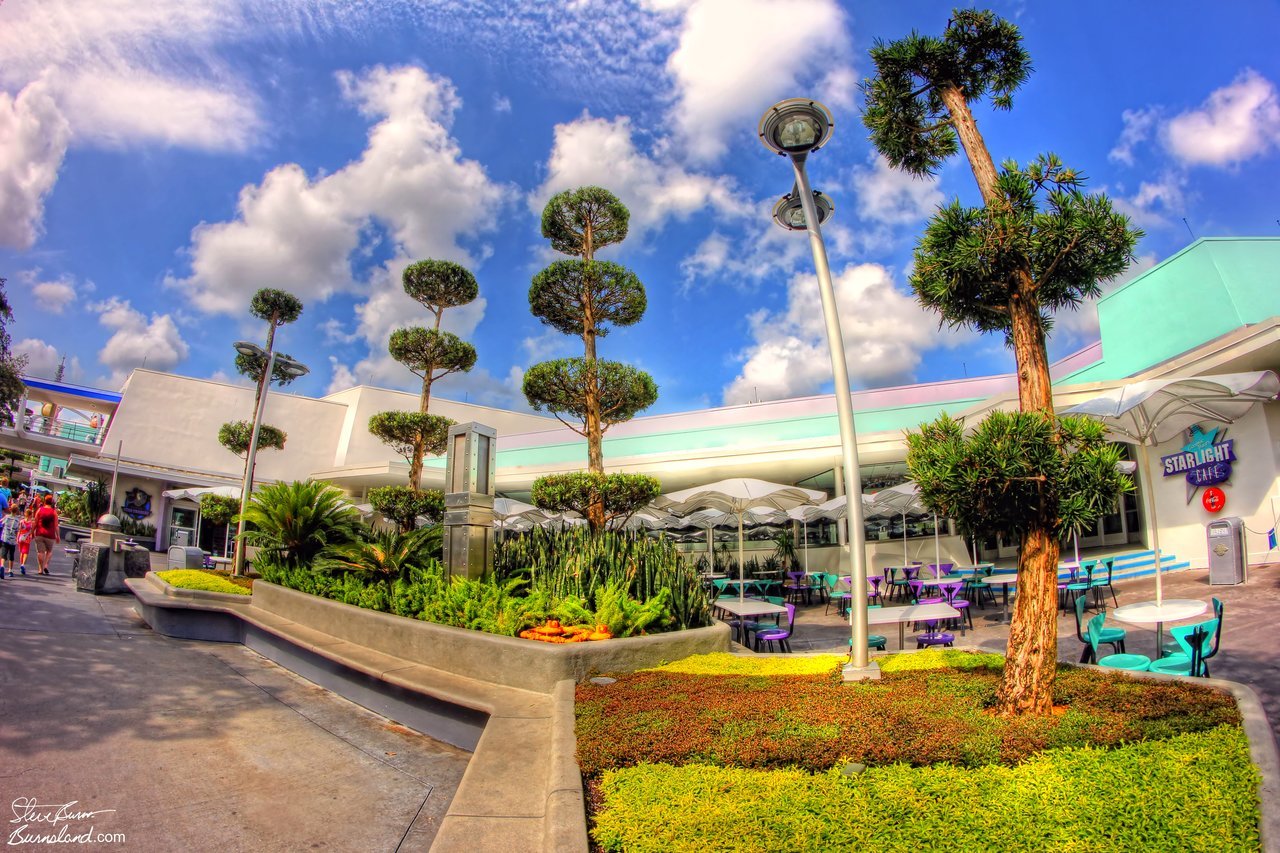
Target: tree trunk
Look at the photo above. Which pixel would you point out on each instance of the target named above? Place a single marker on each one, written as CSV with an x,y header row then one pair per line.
x,y
1030,665
1032,657
975,148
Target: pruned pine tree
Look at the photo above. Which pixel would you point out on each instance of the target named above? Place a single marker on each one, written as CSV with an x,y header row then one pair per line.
x,y
1038,244
587,298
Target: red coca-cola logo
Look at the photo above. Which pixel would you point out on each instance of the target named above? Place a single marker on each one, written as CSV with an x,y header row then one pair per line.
x,y
1213,499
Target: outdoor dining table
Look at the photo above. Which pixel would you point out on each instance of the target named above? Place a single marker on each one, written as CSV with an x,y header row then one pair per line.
x,y
1149,612
910,613
1004,581
747,608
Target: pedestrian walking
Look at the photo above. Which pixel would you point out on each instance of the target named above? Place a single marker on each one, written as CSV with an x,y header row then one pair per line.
x,y
46,534
9,539
25,531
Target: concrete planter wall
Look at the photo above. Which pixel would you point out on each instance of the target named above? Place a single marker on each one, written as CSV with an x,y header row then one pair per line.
x,y
507,661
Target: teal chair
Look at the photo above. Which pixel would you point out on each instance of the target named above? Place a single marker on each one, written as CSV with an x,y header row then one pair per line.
x,y
838,597
1137,663
1113,637
1195,642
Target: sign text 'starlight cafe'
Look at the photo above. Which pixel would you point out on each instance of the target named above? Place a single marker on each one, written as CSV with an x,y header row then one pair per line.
x,y
1205,462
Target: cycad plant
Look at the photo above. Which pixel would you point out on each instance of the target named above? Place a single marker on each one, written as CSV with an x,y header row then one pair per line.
x,y
384,555
293,522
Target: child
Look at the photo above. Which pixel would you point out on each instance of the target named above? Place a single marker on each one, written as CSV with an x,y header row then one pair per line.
x,y
24,537
9,538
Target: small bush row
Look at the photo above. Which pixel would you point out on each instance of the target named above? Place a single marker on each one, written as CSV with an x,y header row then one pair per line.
x,y
1195,791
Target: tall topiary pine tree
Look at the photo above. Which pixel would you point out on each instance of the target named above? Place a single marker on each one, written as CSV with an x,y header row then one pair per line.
x,y
1038,244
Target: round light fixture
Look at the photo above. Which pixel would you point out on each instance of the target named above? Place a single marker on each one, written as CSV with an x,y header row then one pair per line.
x,y
789,212
796,126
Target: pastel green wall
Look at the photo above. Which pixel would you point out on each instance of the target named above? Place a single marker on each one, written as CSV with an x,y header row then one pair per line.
x,y
1212,287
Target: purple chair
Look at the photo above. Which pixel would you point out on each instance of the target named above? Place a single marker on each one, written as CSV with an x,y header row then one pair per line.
x,y
797,587
932,636
950,591
873,593
781,636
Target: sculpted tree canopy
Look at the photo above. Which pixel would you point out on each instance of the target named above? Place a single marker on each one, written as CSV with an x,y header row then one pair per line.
x,y
439,285
578,222
404,505
250,365
620,494
1038,245
275,306
586,298
562,386
431,353
236,435
405,431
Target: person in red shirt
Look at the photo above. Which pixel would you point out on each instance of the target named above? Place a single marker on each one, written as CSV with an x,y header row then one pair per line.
x,y
46,534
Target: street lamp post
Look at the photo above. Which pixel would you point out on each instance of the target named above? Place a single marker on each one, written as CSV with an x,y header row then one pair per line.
x,y
293,368
794,128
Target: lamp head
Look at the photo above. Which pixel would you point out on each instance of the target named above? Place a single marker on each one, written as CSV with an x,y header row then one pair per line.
x,y
789,212
796,126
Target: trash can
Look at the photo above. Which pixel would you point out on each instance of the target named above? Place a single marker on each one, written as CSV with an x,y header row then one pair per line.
x,y
1227,557
185,557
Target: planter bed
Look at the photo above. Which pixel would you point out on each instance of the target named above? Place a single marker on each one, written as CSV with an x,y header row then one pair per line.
x,y
684,759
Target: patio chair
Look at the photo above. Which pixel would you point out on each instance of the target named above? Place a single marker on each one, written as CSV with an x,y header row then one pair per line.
x,y
1113,637
1138,663
1172,647
1097,584
950,591
839,597
1195,641
796,587
932,636
779,635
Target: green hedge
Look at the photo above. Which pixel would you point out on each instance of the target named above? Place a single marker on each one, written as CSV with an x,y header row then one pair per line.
x,y
1189,793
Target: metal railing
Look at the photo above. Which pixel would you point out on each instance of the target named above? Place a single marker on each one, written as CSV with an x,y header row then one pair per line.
x,y
66,430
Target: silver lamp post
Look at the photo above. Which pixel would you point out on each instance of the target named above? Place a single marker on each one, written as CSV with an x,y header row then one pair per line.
x,y
793,128
293,368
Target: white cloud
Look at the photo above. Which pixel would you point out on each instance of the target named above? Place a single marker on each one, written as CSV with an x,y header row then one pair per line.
x,y
33,141
892,196
1156,203
298,233
736,57
1138,125
1235,123
596,151
43,359
118,109
885,330
137,340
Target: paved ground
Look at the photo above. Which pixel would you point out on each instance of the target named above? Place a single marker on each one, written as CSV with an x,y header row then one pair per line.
x,y
1249,653
195,746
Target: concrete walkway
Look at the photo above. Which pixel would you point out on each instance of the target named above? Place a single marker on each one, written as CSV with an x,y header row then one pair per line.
x,y
196,746
1249,653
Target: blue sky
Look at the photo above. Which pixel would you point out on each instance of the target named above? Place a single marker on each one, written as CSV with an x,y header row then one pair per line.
x,y
161,160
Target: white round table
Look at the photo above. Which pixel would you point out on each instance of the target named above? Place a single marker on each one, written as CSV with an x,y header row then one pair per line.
x,y
1151,613
1004,581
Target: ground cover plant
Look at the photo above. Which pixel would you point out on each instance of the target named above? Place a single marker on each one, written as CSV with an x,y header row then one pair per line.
x,y
206,581
682,757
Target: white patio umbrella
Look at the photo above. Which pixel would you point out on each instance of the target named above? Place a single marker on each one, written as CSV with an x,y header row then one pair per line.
x,y
737,496
1153,412
904,498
